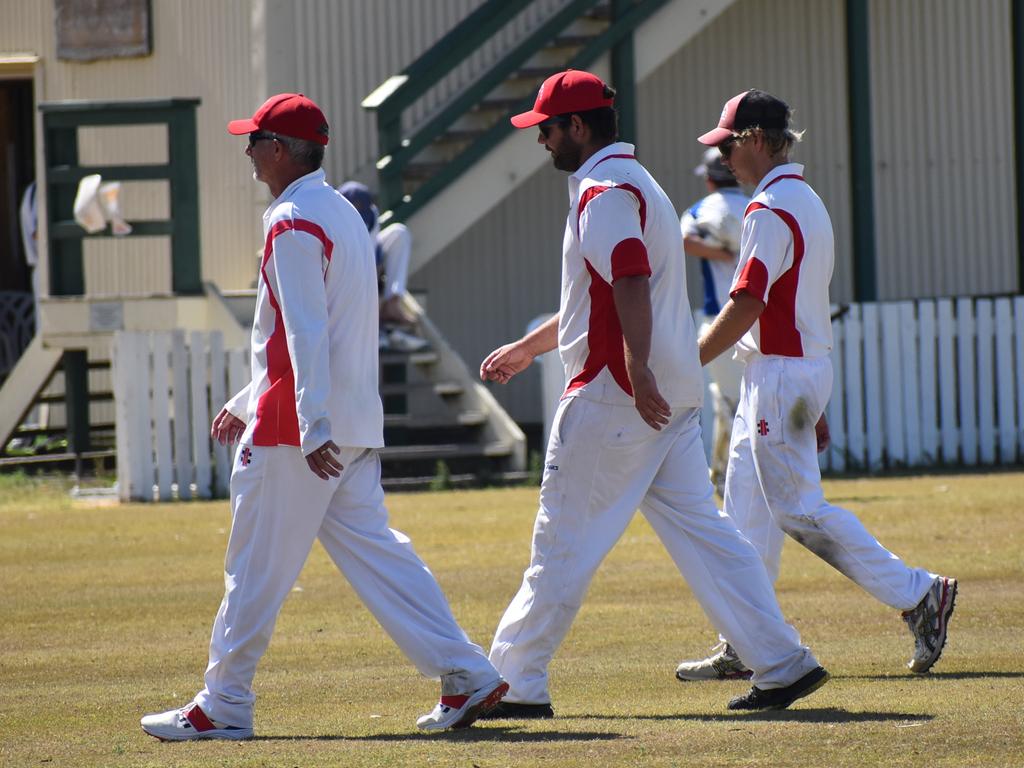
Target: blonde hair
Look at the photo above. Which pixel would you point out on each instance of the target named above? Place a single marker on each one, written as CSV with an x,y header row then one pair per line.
x,y
778,140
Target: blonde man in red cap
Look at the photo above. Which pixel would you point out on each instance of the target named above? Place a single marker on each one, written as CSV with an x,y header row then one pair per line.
x,y
627,431
778,318
306,467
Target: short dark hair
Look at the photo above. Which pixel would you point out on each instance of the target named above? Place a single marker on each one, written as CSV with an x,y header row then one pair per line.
x,y
603,121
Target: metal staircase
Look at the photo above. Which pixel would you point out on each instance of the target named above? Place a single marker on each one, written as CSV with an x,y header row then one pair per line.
x,y
415,167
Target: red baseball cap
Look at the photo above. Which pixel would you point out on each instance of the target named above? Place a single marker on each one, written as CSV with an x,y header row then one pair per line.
x,y
571,91
747,110
289,114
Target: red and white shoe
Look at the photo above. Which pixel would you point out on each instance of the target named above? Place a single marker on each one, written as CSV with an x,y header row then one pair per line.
x,y
190,723
462,711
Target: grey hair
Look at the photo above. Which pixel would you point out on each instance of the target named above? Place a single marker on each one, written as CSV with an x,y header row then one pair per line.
x,y
307,154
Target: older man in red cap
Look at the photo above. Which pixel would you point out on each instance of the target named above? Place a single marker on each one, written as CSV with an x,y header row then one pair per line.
x,y
778,318
306,468
627,431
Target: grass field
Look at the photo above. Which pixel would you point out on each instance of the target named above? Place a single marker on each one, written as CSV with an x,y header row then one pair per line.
x,y
106,613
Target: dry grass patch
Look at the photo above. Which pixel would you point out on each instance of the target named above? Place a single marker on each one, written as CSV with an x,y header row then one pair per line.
x,y
107,612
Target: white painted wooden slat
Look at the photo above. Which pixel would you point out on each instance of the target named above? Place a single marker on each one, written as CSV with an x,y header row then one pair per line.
x,y
183,467
893,438
854,389
911,381
121,363
927,379
836,412
1005,407
200,413
872,387
986,382
947,383
161,350
217,400
965,370
1018,349
238,370
143,421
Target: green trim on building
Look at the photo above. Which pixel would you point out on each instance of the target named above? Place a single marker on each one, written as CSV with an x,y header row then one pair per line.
x,y
624,76
858,52
1017,30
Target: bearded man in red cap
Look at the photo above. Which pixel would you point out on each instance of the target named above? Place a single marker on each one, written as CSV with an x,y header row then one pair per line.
x,y
306,467
627,431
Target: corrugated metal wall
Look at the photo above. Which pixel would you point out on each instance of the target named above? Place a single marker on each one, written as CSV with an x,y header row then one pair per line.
x,y
343,49
795,49
494,279
200,49
485,288
943,145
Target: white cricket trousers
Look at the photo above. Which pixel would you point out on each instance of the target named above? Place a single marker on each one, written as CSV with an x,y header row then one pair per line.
x,y
396,243
774,483
602,463
279,508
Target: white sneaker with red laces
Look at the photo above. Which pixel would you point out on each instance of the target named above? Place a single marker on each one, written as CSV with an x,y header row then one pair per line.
x,y
190,723
461,711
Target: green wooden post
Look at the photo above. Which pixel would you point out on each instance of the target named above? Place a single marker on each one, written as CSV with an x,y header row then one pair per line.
x,y
624,76
389,136
76,398
1017,30
67,273
858,48
186,272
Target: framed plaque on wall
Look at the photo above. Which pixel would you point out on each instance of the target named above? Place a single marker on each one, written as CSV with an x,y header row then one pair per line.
x,y
103,29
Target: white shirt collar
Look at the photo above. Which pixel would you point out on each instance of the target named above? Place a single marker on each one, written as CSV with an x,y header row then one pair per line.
x,y
315,177
618,148
787,169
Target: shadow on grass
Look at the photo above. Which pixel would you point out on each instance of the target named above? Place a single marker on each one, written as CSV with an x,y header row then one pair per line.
x,y
820,715
467,734
974,675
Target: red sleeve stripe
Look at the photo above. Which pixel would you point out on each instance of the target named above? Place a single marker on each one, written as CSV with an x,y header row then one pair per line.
x,y
755,207
640,199
629,259
591,192
753,280
300,225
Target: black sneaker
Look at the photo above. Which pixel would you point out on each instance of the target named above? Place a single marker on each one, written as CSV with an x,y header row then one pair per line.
x,y
780,698
508,710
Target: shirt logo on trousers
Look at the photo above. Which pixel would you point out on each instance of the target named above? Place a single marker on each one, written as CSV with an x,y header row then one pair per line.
x,y
762,427
245,456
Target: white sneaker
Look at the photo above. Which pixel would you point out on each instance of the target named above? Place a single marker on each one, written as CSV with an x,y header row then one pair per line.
x,y
463,710
723,665
403,341
190,723
928,623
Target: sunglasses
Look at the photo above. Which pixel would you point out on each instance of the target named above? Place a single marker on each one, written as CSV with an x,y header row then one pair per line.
x,y
726,147
260,136
547,125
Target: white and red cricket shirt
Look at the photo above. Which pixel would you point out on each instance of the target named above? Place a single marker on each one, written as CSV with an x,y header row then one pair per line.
x,y
314,334
787,252
621,223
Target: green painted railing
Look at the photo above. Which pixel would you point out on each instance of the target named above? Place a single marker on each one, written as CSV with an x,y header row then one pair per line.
x,y
61,121
395,95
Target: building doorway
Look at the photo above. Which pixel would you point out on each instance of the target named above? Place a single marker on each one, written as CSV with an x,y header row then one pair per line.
x,y
17,171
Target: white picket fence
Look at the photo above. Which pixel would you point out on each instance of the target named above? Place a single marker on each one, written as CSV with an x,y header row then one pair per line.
x,y
916,384
167,388
927,382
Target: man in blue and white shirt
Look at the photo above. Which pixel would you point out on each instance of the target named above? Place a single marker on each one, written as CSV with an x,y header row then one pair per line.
x,y
711,232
